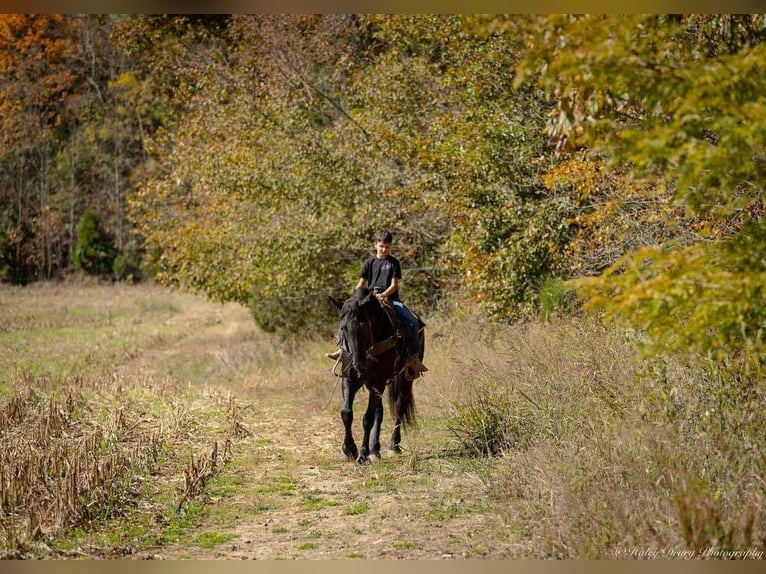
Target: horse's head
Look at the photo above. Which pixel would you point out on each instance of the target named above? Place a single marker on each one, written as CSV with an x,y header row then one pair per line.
x,y
359,317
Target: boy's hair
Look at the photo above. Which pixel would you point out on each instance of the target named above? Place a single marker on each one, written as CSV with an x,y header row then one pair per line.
x,y
384,236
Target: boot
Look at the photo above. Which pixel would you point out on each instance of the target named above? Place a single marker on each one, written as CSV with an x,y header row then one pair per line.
x,y
413,367
334,356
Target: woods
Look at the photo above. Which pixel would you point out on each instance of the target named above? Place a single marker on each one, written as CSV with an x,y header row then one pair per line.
x,y
250,157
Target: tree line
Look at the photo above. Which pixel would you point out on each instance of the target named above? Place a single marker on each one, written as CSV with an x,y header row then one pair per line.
x,y
515,158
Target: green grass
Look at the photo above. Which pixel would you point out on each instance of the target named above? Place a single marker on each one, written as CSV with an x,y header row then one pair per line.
x,y
312,503
283,485
356,509
212,539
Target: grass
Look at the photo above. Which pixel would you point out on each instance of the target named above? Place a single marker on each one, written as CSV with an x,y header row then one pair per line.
x,y
599,449
359,508
190,429
212,539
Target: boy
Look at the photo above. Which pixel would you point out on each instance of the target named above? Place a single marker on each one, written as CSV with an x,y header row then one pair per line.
x,y
382,274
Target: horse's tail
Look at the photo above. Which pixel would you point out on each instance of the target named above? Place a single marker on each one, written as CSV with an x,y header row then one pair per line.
x,y
401,400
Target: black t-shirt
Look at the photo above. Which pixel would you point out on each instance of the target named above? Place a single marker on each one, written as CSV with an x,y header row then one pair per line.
x,y
379,274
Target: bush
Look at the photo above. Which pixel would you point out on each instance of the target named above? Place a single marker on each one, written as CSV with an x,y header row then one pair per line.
x,y
287,316
494,417
553,297
127,267
94,251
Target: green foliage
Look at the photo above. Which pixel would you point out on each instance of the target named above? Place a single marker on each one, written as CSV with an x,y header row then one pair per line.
x,y
704,299
94,251
555,296
511,250
127,267
277,208
662,93
273,188
679,98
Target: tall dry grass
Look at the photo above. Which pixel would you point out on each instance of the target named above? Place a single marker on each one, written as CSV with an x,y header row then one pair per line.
x,y
63,464
595,449
93,429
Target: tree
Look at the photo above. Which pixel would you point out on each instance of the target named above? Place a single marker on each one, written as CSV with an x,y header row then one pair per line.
x,y
314,131
36,56
677,98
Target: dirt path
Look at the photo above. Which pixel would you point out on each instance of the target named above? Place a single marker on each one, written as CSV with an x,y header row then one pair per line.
x,y
298,497
288,492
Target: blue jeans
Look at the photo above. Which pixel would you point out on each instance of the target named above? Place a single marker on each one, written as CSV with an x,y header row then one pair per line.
x,y
411,324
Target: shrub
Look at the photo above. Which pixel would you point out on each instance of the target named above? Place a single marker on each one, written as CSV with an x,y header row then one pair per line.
x,y
94,250
127,267
493,418
555,296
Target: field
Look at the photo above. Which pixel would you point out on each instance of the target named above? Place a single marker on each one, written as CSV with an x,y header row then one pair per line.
x,y
136,422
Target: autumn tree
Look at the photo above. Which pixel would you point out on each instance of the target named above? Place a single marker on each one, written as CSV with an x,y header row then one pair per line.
x,y
36,53
260,181
72,138
314,131
677,98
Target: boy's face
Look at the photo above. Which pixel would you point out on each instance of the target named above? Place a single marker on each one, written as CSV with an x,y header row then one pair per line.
x,y
382,250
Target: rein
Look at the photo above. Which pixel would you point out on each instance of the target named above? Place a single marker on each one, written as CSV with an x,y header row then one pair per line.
x,y
386,344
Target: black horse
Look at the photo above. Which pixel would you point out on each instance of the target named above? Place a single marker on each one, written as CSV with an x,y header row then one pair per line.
x,y
373,355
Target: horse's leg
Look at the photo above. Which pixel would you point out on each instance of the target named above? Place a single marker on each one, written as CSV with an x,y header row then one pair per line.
x,y
368,421
350,386
396,437
375,433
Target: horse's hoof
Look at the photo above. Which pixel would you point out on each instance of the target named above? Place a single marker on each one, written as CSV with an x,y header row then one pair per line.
x,y
396,449
351,453
375,456
363,460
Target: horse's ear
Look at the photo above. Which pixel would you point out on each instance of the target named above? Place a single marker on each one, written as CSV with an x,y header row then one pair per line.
x,y
336,302
364,295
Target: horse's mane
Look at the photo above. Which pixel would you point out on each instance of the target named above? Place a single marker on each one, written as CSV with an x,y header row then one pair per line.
x,y
360,297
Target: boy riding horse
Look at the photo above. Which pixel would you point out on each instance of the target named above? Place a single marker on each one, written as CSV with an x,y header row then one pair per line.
x,y
382,274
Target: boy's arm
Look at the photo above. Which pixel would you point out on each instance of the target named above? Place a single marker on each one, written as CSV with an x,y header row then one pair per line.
x,y
362,283
391,289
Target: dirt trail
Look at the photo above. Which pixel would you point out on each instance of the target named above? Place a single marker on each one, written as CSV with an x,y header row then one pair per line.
x,y
311,503
289,492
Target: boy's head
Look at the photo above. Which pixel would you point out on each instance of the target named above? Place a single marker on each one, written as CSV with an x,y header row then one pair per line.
x,y
382,241
383,236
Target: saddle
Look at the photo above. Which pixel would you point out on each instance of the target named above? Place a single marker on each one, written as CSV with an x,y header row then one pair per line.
x,y
398,340
400,333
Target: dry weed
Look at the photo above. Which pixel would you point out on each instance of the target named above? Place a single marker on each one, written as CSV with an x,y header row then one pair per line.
x,y
598,446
